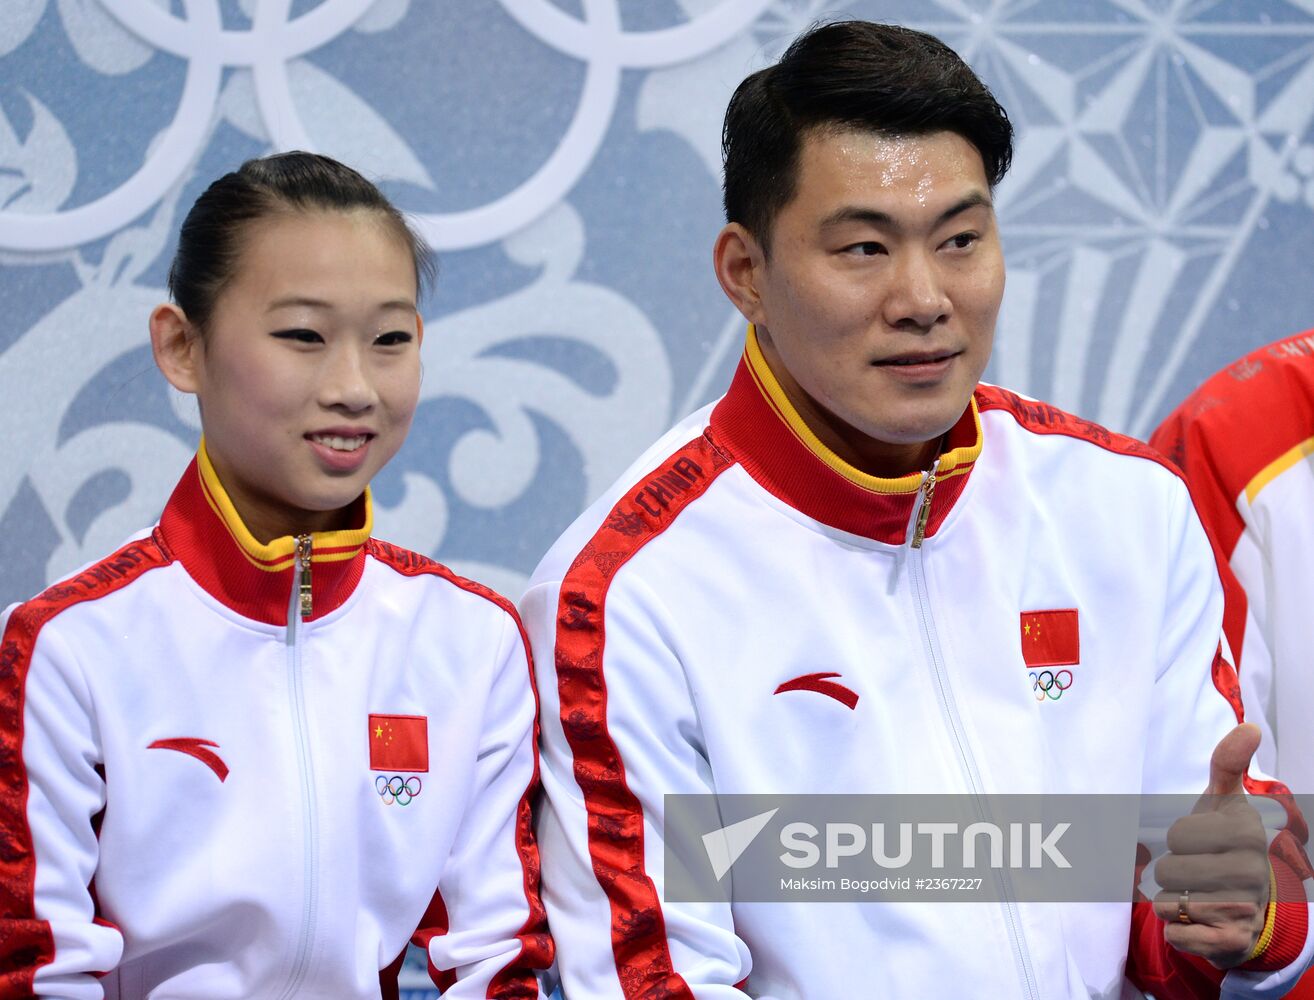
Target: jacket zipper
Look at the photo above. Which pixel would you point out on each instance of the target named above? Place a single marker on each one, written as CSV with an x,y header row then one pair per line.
x,y
924,512
299,608
955,726
303,561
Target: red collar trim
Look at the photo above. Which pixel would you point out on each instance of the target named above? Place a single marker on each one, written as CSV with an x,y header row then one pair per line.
x,y
202,529
764,434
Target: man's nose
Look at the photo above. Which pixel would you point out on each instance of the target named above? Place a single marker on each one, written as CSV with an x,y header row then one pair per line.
x,y
917,298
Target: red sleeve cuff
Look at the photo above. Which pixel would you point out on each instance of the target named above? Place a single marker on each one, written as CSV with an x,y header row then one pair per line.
x,y
1291,925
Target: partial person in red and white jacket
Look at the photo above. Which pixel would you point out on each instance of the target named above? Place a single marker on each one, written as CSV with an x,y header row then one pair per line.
x,y
861,571
255,752
1245,440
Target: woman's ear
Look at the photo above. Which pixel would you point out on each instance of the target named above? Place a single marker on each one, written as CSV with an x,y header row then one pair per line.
x,y
177,347
738,260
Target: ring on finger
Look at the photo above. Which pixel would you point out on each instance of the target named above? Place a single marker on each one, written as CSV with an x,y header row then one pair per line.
x,y
1183,901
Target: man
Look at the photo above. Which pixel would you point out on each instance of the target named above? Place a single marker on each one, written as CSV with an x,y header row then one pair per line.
x,y
1244,440
835,579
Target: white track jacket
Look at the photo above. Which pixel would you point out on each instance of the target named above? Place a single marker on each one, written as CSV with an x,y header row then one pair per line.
x,y
205,796
1245,440
745,613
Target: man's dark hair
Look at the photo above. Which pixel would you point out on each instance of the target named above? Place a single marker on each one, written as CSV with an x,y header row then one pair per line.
x,y
211,240
878,78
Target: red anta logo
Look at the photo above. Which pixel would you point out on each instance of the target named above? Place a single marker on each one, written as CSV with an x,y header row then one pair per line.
x,y
194,747
820,684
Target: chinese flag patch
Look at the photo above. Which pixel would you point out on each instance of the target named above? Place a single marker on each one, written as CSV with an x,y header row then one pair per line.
x,y
399,743
1050,638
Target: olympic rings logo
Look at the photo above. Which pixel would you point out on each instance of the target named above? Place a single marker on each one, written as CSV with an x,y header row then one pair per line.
x,y
1051,685
397,789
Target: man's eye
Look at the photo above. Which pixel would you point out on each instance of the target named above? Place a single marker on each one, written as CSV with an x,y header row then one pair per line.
x,y
300,336
867,249
963,240
393,338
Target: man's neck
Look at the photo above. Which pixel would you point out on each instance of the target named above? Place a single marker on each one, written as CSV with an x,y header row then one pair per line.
x,y
862,451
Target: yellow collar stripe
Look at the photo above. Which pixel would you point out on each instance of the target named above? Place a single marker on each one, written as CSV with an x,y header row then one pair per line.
x,y
952,463
280,554
1278,466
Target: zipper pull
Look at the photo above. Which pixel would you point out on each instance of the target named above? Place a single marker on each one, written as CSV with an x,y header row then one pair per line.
x,y
303,562
924,515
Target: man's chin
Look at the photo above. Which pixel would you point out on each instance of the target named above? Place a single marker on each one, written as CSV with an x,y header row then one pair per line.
x,y
912,433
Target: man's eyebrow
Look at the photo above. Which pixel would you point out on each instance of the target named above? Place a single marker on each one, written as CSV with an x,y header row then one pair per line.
x,y
853,213
973,200
309,302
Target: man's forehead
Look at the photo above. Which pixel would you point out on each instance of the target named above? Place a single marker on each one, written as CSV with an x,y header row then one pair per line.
x,y
910,172
853,141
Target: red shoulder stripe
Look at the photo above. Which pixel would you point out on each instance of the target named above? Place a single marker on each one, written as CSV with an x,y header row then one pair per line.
x,y
1042,418
409,563
615,816
28,943
536,948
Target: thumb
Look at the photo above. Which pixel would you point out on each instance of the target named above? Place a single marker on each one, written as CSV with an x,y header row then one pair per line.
x,y
1231,758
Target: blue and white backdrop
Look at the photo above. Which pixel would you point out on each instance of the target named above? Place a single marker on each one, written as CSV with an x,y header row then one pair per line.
x,y
563,156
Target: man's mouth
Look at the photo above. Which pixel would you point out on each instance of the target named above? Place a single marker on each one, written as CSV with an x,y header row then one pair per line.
x,y
908,360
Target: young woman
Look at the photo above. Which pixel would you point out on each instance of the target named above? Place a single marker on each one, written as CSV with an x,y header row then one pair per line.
x,y
255,752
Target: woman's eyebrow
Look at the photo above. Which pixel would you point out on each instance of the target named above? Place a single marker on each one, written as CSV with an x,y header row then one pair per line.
x,y
298,300
305,301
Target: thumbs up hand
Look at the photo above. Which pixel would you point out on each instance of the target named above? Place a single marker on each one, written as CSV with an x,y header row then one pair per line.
x,y
1216,875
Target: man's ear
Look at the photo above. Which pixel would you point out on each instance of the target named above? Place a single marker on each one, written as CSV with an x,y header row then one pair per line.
x,y
739,261
177,347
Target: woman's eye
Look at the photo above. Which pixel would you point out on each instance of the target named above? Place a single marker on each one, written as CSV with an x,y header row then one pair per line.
x,y
300,336
393,337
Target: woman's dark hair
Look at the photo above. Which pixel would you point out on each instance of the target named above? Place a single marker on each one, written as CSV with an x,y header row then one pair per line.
x,y
877,78
211,238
